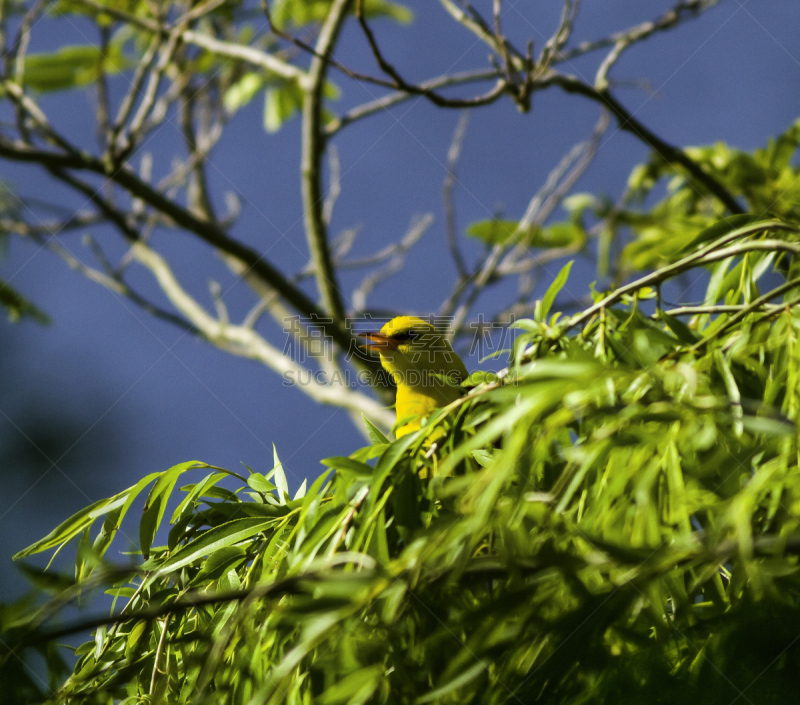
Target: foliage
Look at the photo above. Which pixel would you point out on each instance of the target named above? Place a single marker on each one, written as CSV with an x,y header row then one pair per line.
x,y
766,181
614,516
71,67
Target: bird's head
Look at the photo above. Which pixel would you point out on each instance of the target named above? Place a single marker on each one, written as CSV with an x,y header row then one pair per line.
x,y
410,348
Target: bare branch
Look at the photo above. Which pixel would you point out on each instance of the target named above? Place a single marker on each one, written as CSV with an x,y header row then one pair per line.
x,y
103,101
562,34
245,342
249,54
307,48
22,41
136,84
209,232
398,256
391,99
403,85
628,123
473,22
683,10
127,139
451,230
117,286
312,149
559,182
712,310
197,197
335,188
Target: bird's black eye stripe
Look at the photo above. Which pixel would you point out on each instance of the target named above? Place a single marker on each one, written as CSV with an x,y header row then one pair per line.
x,y
405,336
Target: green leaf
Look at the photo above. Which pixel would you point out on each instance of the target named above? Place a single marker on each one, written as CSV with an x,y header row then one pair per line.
x,y
219,563
227,534
552,291
459,681
156,503
375,434
568,234
47,581
280,477
499,232
493,232
738,225
281,103
242,92
479,377
71,67
259,483
194,492
301,491
483,457
134,636
393,10
679,328
766,426
284,99
354,689
82,520
349,465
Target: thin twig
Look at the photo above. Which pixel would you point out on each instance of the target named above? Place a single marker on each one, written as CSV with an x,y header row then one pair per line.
x,y
397,255
450,226
208,232
682,11
159,649
708,254
335,188
628,123
750,308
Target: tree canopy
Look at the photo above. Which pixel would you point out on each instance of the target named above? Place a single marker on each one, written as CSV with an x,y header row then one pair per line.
x,y
613,516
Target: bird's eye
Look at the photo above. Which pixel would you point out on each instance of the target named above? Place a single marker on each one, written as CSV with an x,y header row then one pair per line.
x,y
405,336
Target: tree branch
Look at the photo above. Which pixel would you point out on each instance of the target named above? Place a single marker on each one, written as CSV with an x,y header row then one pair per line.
x,y
708,254
403,85
391,99
628,123
450,226
246,342
683,10
311,165
208,232
249,54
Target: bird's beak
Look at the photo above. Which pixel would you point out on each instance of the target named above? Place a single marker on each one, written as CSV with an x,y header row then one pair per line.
x,y
377,342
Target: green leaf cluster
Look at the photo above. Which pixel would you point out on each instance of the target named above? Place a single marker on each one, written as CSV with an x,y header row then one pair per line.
x,y
617,514
72,67
570,233
764,182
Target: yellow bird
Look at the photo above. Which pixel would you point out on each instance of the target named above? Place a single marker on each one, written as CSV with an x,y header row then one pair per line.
x,y
423,366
